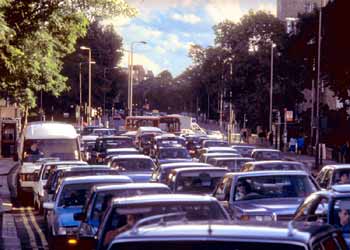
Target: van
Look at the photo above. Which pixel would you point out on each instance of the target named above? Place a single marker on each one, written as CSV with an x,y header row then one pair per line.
x,y
40,142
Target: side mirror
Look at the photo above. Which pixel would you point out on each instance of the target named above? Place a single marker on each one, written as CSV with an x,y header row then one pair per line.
x,y
49,205
79,216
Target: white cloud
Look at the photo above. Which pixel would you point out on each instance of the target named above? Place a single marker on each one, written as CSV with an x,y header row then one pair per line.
x,y
186,18
220,10
140,59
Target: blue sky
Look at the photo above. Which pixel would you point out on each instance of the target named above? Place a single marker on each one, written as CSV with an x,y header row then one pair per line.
x,y
170,26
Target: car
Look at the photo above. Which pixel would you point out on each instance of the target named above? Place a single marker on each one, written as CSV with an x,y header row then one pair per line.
x,y
145,143
170,232
207,156
328,206
333,174
264,195
215,134
109,142
218,150
244,150
167,140
161,172
70,199
207,143
99,198
103,131
234,164
87,145
197,180
43,141
193,207
138,167
41,179
88,129
172,154
273,165
111,152
193,145
262,154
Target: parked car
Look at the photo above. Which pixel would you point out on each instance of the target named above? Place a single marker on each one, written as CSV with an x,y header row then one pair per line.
x,y
207,156
175,233
234,164
265,154
264,195
193,207
244,150
42,176
273,165
333,175
70,199
172,154
197,180
138,167
97,203
161,172
328,206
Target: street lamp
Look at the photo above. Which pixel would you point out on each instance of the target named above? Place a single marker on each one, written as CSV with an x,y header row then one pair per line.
x,y
271,86
81,88
130,101
89,102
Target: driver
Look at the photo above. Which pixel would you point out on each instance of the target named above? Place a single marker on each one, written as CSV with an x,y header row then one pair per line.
x,y
33,150
344,220
242,189
131,220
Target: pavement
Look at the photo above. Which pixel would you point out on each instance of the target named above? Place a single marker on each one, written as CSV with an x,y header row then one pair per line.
x,y
9,239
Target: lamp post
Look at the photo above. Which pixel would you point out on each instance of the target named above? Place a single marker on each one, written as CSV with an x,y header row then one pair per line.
x,y
89,99
130,92
81,88
271,86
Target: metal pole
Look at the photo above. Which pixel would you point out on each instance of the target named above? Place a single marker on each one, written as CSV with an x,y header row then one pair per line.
x,y
89,117
317,142
312,110
131,77
271,88
221,106
80,94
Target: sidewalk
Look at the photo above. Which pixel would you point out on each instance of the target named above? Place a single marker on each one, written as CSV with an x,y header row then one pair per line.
x,y
9,238
309,161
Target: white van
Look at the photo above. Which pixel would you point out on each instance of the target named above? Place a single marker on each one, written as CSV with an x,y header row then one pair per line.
x,y
54,141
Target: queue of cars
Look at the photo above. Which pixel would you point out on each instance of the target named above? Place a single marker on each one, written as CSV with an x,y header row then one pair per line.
x,y
157,190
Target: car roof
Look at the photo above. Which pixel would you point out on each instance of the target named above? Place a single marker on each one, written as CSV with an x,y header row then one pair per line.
x,y
89,138
341,188
65,163
49,130
266,150
222,148
164,198
136,156
96,178
268,173
232,158
100,188
243,146
338,166
277,232
179,146
106,137
200,169
220,153
85,168
275,162
111,150
184,164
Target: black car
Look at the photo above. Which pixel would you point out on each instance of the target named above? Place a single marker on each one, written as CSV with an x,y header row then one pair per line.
x,y
172,154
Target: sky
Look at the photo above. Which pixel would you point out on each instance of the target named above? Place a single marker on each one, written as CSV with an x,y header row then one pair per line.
x,y
170,26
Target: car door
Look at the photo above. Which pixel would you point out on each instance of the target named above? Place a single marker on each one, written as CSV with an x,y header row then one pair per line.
x,y
223,191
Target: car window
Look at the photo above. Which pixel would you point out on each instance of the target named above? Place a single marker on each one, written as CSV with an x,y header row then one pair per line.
x,y
304,209
133,164
173,153
341,176
74,195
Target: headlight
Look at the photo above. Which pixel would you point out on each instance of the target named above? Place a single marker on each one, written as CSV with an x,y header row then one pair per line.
x,y
61,231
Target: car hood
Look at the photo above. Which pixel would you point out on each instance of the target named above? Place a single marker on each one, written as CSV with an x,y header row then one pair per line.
x,y
279,206
139,176
65,216
173,160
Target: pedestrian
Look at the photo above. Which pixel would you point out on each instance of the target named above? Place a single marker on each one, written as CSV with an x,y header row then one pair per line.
x,y
300,143
292,144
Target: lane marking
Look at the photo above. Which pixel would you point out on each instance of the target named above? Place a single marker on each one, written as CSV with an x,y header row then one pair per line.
x,y
38,229
32,240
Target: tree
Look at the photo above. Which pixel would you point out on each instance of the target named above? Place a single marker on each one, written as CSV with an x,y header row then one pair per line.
x,y
44,32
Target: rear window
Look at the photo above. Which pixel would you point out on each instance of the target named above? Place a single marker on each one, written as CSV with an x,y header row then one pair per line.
x,y
205,245
133,165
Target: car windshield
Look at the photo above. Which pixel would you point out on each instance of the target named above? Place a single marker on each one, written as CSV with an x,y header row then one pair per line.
x,y
63,149
169,142
233,164
74,194
341,213
103,199
268,155
103,132
173,153
208,144
279,166
341,176
133,164
202,182
205,245
116,143
276,186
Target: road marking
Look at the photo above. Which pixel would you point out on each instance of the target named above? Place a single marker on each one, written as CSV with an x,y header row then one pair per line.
x,y
29,230
38,229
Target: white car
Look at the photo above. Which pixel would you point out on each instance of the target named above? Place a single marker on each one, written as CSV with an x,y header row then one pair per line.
x,y
41,179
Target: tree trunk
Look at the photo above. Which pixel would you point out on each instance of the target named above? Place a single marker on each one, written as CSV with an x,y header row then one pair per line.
x,y
25,119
